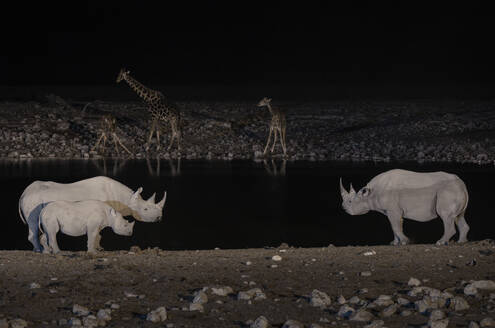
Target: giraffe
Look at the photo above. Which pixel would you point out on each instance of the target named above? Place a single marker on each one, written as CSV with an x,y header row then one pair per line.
x,y
108,127
161,111
277,124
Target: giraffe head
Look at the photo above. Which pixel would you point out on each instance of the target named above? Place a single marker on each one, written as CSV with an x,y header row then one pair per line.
x,y
264,102
122,75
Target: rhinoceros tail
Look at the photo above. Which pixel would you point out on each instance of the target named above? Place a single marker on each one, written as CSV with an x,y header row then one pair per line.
x,y
21,214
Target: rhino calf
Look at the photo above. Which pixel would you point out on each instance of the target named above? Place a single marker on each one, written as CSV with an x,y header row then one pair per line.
x,y
417,196
80,218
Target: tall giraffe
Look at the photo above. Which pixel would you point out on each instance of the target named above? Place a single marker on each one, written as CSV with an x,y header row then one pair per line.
x,y
277,124
160,109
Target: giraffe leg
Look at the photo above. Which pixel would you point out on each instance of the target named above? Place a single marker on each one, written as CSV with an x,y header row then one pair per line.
x,y
153,125
114,137
157,139
282,141
105,143
268,141
275,139
122,145
98,142
172,135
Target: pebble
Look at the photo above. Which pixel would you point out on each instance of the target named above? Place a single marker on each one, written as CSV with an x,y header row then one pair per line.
x,y
222,291
389,311
292,324
459,304
260,322
345,311
439,323
104,314
277,258
354,300
365,274
361,316
413,282
437,315
18,323
200,297
75,322
341,300
196,307
34,285
487,322
255,293
375,324
90,321
158,315
80,310
319,299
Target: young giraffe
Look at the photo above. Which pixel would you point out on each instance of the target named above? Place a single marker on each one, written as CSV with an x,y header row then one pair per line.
x,y
277,124
161,111
108,126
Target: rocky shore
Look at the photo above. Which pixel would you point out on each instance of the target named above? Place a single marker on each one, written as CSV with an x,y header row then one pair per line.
x,y
379,131
373,287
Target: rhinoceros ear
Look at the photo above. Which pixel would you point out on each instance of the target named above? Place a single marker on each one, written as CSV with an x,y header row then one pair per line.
x,y
364,192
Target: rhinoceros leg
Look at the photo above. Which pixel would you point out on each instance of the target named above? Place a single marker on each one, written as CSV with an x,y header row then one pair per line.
x,y
97,242
395,220
448,229
463,228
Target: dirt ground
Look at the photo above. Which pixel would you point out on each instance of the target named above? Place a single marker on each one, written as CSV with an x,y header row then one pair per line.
x,y
140,281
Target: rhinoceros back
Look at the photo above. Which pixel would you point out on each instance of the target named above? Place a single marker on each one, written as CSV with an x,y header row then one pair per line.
x,y
403,179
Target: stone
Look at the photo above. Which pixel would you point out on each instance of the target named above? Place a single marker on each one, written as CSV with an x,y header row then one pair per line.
x,y
470,290
276,258
34,285
158,315
222,291
260,322
18,323
319,299
255,293
484,284
389,311
292,324
487,322
90,321
439,323
361,316
383,300
104,314
80,310
354,300
403,301
200,297
341,300
406,313
375,324
413,282
345,311
365,274
196,307
75,322
60,322
437,315
459,304
473,324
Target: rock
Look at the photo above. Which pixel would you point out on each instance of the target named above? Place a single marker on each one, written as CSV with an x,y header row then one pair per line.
x,y
158,315
354,300
470,290
437,315
487,322
365,274
413,282
341,300
255,293
459,304
196,307
439,323
60,322
375,324
260,322
319,299
114,306
406,313
80,310
361,316
484,284
90,321
403,301
389,311
104,314
473,324
18,323
75,322
345,311
383,300
200,297
34,285
292,324
277,258
222,291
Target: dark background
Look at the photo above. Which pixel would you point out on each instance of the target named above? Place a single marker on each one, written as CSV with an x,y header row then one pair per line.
x,y
388,48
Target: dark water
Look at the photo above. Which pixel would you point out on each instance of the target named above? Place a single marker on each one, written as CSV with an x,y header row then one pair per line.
x,y
243,204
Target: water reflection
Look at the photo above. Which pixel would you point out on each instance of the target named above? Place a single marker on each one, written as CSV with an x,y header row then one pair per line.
x,y
118,165
174,169
274,170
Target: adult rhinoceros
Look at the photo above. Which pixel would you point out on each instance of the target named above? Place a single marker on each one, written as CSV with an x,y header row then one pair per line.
x,y
417,196
101,188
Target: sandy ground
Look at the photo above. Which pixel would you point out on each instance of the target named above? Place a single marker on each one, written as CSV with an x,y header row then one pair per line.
x,y
137,282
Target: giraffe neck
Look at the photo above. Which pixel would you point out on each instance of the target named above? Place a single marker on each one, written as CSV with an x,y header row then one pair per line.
x,y
270,109
138,87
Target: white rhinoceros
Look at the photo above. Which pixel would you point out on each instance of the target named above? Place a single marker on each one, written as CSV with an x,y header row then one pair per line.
x,y
417,196
101,188
81,218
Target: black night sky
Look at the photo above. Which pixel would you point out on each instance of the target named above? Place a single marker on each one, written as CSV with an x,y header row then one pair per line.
x,y
249,42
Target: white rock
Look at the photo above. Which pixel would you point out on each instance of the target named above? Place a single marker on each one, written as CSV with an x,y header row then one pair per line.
x,y
365,274
484,284
473,324
413,282
104,314
34,285
439,323
18,323
319,298
403,301
369,253
196,307
292,324
345,311
487,322
277,258
437,315
361,316
222,291
255,293
354,300
260,322
459,304
389,310
406,313
114,306
470,290
341,300
90,321
130,295
383,300
158,315
80,310
200,297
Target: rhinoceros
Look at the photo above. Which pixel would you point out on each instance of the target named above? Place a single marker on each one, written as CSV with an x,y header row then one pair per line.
x,y
81,218
101,188
417,196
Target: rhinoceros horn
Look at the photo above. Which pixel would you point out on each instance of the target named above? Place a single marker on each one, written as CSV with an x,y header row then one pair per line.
x,y
152,198
162,202
352,191
343,192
